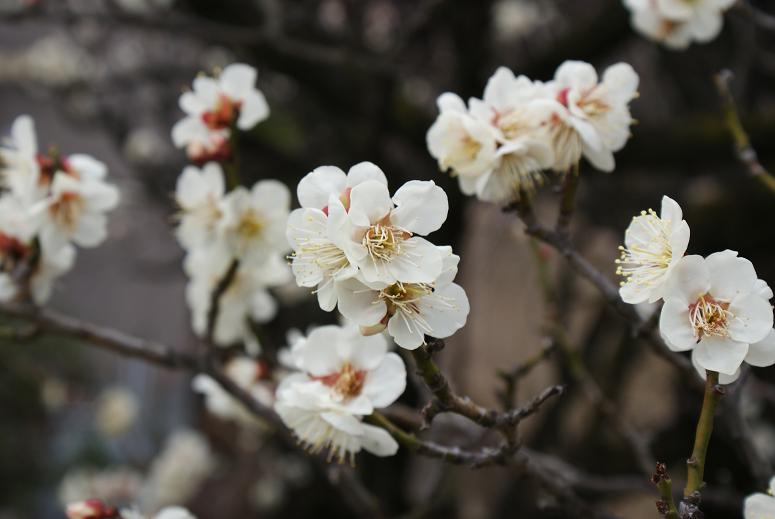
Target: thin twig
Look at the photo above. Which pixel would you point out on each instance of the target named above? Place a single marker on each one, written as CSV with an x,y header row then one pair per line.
x,y
745,151
695,465
215,300
666,504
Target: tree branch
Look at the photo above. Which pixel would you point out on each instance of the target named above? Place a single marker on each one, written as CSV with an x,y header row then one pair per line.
x,y
746,154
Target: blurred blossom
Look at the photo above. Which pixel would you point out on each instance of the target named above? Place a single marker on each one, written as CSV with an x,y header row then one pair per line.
x,y
119,485
247,373
381,21
117,410
268,493
53,60
515,18
144,6
332,15
146,146
178,472
53,393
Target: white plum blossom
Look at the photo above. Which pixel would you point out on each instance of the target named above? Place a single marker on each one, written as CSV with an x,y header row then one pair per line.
x,y
245,298
717,308
409,311
199,195
47,203
216,106
759,505
653,245
497,147
345,376
249,374
319,231
385,232
678,23
75,210
254,221
596,118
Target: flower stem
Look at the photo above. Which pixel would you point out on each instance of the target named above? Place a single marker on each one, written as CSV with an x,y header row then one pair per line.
x,y
695,466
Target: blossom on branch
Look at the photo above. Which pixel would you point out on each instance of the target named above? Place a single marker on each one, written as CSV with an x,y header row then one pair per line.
x,y
47,204
500,145
215,107
717,308
677,23
653,245
343,377
409,311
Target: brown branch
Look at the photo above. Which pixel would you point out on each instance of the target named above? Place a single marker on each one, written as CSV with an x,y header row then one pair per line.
x,y
48,321
605,286
215,300
746,154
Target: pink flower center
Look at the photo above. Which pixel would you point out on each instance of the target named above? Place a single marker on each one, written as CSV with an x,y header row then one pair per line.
x,y
348,381
224,113
709,317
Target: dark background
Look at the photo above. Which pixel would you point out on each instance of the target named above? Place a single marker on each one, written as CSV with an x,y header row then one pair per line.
x,y
353,80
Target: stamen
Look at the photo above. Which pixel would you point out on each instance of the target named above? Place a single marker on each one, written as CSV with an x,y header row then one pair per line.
x,y
710,317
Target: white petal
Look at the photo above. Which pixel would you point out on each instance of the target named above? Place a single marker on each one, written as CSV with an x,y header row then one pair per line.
x,y
762,353
253,110
576,74
359,303
237,79
316,187
675,326
690,280
23,135
422,207
601,158
378,441
752,318
720,354
450,102
320,357
387,382
406,333
445,310
364,171
730,276
369,203
327,295
366,353
759,506
723,378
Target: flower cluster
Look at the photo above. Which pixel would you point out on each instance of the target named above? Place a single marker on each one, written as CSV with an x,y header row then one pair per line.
x,y
499,146
342,376
677,23
237,234
364,252
48,203
714,306
215,108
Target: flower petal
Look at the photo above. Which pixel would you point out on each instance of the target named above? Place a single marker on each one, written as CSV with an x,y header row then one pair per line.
x,y
752,318
730,275
369,203
364,171
422,207
762,353
386,382
317,186
675,326
690,280
720,354
378,441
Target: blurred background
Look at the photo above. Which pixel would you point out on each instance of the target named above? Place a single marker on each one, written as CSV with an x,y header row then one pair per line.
x,y
353,80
